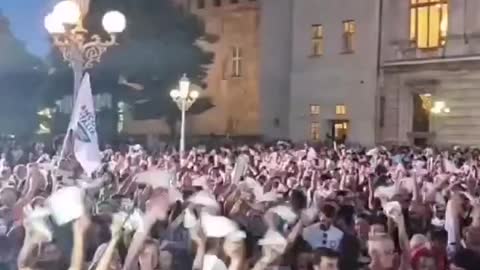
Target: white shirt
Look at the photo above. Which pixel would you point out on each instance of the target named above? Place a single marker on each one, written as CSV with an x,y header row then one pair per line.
x,y
318,238
212,262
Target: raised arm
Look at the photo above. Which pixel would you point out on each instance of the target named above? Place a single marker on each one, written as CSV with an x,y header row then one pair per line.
x,y
80,226
34,179
25,256
416,190
157,210
107,256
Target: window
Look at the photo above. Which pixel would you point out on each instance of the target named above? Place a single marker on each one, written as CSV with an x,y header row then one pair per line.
x,y
234,1
200,4
428,23
315,131
314,109
340,110
236,62
217,3
317,40
348,34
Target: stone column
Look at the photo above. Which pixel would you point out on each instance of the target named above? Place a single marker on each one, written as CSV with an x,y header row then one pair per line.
x,y
405,114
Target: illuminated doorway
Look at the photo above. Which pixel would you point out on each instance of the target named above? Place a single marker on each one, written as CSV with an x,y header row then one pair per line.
x,y
340,130
421,117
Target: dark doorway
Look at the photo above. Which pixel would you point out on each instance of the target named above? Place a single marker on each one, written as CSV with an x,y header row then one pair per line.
x,y
421,115
421,118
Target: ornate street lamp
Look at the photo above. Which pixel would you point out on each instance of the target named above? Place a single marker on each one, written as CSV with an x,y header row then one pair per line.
x,y
78,48
184,97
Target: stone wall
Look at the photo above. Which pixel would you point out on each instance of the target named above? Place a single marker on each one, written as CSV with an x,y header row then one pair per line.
x,y
276,58
235,100
457,84
454,68
336,77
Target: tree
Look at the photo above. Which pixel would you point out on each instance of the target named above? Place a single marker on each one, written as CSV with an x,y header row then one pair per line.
x,y
158,46
20,75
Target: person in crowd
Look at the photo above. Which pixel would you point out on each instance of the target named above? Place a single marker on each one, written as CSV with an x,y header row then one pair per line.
x,y
240,207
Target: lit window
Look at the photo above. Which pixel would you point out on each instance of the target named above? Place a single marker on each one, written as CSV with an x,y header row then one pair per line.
x,y
236,62
317,40
340,109
217,3
341,126
200,4
314,109
315,131
348,34
428,23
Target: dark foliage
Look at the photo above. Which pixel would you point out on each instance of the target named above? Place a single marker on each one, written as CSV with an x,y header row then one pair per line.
x,y
21,74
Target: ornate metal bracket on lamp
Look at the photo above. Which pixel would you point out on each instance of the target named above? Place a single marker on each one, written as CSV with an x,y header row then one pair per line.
x,y
78,48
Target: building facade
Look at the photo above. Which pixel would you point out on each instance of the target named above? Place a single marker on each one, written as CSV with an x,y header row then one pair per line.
x,y
232,80
429,88
319,69
378,71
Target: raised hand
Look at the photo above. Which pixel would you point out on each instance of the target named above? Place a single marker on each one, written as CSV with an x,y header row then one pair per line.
x,y
81,225
157,206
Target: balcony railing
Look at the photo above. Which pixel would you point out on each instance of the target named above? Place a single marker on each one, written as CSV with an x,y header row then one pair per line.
x,y
407,50
459,45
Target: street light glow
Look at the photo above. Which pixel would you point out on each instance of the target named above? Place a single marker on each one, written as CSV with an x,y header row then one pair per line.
x,y
80,48
53,24
68,12
440,107
194,94
174,94
439,104
184,84
436,110
114,22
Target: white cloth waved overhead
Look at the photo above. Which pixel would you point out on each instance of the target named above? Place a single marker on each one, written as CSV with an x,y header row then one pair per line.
x,y
155,178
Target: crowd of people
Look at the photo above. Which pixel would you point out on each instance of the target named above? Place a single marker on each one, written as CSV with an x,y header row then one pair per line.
x,y
277,206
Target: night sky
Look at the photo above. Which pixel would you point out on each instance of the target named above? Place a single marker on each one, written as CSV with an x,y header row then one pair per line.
x,y
26,22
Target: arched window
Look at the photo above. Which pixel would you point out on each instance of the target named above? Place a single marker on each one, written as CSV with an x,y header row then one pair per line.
x,y
428,23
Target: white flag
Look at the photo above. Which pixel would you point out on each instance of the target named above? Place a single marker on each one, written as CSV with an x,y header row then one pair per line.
x,y
83,128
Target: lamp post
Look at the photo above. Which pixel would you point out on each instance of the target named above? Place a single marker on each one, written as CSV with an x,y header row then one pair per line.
x,y
184,97
78,48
